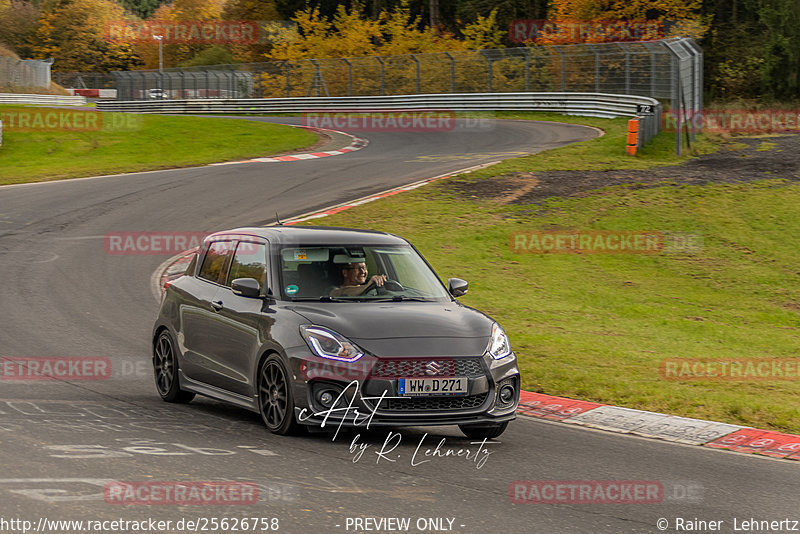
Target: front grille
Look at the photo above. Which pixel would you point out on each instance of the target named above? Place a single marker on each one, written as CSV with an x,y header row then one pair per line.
x,y
415,404
402,368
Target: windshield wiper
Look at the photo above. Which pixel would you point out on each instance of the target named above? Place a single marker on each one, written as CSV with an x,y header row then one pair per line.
x,y
402,298
323,298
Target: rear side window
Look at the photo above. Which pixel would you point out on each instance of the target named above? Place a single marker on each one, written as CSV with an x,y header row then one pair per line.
x,y
249,261
215,262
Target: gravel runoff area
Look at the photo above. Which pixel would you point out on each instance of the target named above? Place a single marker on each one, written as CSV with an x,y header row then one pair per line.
x,y
741,160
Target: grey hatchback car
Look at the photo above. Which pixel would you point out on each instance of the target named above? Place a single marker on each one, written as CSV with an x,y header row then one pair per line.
x,y
330,326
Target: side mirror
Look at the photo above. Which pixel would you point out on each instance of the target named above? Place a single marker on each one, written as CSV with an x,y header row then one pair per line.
x,y
246,287
457,287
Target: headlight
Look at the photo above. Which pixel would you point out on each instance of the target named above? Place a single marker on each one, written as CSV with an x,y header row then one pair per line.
x,y
328,344
499,347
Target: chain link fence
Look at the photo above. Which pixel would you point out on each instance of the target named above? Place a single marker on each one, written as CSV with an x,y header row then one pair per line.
x,y
641,68
24,72
669,70
84,80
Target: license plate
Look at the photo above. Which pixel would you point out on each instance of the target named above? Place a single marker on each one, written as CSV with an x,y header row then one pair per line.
x,y
415,387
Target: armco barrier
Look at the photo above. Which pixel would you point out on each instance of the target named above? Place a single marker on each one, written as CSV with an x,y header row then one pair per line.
x,y
584,104
42,100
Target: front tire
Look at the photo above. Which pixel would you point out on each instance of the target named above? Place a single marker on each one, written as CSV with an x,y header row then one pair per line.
x,y
165,371
275,399
489,431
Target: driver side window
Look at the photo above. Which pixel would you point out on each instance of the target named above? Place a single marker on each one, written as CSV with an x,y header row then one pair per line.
x,y
249,261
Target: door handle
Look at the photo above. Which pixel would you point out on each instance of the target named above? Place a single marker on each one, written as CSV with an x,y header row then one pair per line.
x,y
216,304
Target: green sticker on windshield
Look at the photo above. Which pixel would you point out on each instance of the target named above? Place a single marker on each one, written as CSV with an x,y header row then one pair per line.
x,y
291,290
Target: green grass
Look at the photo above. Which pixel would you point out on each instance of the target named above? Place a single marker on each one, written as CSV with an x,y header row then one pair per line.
x,y
598,327
600,154
130,143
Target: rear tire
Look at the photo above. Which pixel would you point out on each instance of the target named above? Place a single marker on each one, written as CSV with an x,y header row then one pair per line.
x,y
489,431
275,398
165,371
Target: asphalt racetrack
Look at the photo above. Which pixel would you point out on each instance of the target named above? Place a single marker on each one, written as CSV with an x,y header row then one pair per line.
x,y
65,444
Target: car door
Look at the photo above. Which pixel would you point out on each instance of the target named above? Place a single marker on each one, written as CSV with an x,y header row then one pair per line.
x,y
197,316
240,324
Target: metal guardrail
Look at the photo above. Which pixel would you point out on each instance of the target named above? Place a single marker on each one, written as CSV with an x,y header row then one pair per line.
x,y
583,104
42,100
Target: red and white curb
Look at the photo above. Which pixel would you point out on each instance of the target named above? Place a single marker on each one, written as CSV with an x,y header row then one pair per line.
x,y
357,143
660,426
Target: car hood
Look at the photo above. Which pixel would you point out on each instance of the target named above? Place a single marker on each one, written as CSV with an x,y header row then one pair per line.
x,y
405,329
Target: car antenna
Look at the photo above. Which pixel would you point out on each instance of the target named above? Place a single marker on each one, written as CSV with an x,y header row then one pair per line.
x,y
278,219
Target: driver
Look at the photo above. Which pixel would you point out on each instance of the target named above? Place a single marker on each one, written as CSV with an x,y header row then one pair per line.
x,y
355,280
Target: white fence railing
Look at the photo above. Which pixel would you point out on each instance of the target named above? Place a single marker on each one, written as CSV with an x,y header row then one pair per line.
x,y
42,100
584,104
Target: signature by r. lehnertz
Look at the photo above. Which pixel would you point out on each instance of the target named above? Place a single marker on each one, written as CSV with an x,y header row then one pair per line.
x,y
421,455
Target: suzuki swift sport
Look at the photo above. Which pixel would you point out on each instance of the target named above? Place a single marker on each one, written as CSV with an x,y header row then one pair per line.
x,y
330,326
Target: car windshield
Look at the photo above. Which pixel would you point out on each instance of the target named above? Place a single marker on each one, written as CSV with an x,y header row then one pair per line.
x,y
334,273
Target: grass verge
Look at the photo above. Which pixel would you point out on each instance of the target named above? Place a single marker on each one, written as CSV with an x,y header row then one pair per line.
x,y
88,143
600,326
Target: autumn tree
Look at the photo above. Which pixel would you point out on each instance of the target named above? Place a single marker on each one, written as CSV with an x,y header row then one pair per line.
x,y
680,17
142,8
73,33
263,11
179,52
18,25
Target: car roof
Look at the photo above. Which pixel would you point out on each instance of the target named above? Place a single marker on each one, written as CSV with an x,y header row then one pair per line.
x,y
316,235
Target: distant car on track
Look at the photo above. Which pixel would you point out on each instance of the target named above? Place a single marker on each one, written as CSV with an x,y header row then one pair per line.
x,y
157,94
287,322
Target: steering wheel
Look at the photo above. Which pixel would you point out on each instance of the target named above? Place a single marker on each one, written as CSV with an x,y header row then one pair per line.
x,y
388,285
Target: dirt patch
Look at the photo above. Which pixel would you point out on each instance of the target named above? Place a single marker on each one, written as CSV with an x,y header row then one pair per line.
x,y
742,164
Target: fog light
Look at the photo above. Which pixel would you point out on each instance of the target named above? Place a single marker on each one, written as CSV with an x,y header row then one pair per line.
x,y
506,394
326,398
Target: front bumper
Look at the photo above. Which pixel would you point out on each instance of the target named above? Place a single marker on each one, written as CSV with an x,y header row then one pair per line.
x,y
367,392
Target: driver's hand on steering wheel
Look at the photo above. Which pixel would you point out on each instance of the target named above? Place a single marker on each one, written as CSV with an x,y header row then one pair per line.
x,y
377,279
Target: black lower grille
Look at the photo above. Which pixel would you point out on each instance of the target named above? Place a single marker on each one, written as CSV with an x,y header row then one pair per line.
x,y
415,404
